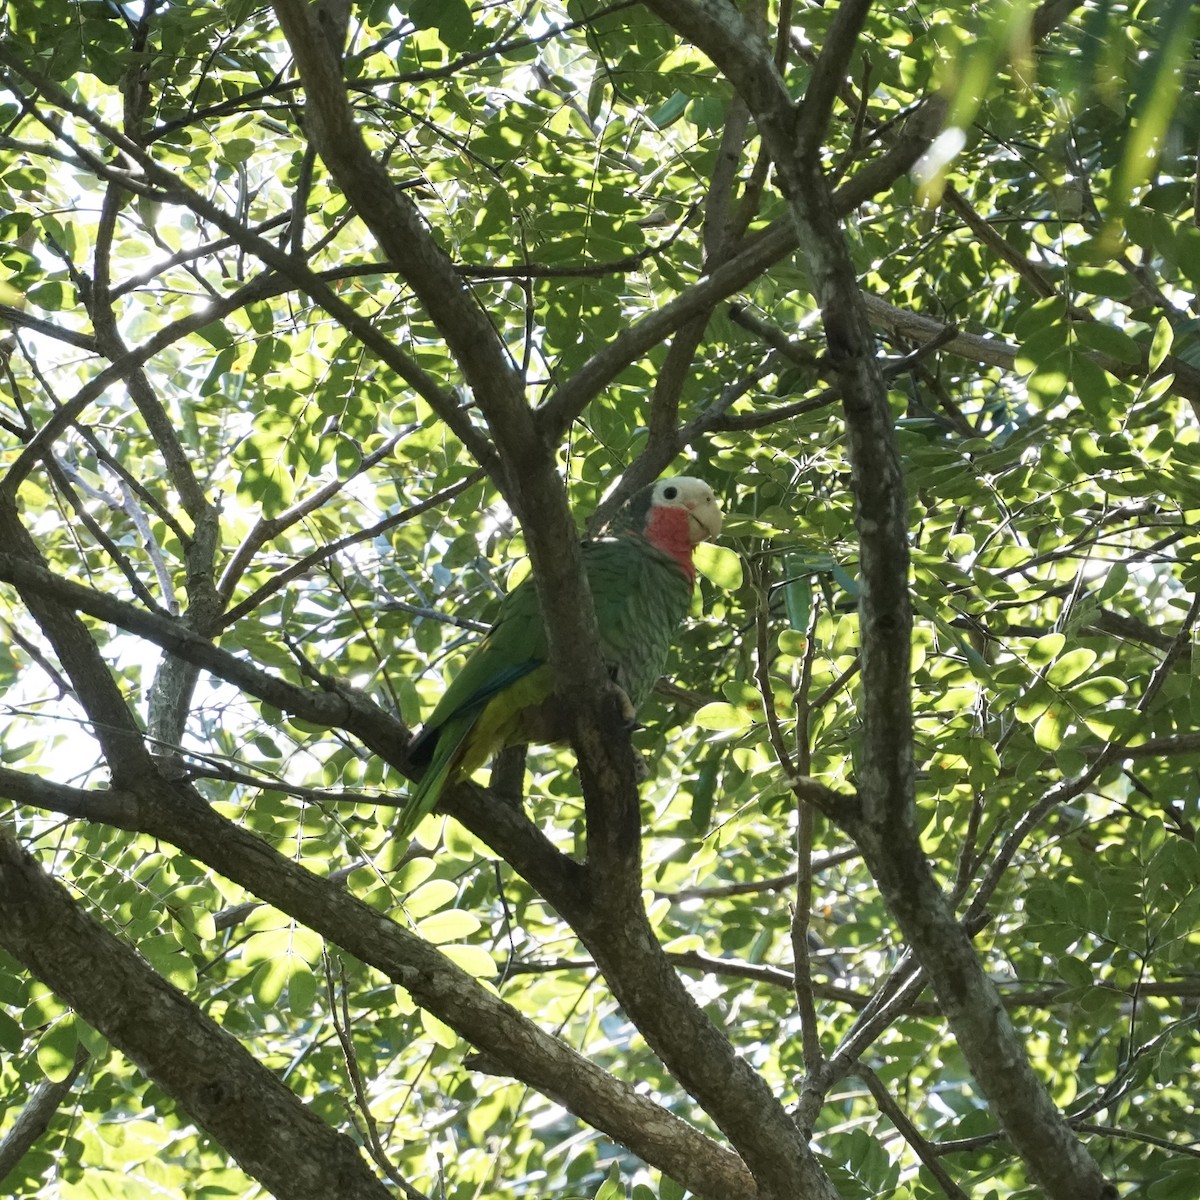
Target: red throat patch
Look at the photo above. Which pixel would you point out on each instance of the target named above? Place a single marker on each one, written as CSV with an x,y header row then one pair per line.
x,y
667,530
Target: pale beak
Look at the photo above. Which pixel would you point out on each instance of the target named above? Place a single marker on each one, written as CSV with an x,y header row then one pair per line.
x,y
706,523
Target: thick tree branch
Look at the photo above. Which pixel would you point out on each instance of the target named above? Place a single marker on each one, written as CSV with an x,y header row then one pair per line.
x,y
179,817
112,722
618,935
37,1112
828,76
525,468
274,1137
887,830
20,319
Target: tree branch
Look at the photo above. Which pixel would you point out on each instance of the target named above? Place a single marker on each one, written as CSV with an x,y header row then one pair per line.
x,y
174,813
887,830
274,1137
38,1111
617,933
908,1131
377,730
828,75
112,722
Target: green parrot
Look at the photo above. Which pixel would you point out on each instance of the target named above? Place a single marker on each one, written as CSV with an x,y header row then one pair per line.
x,y
640,574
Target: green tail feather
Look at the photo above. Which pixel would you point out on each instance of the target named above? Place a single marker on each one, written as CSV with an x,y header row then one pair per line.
x,y
446,755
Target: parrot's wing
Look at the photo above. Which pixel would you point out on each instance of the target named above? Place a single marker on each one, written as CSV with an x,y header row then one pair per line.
x,y
466,707
641,596
514,647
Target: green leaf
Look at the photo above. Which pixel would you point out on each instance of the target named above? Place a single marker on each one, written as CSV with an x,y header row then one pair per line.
x,y
668,1189
10,1034
1160,346
719,564
441,1033
451,18
475,960
1046,649
56,1049
1070,666
301,989
1099,690
1049,728
668,113
429,897
611,1188
704,793
721,716
1040,317
1153,835
1074,972
170,960
1113,342
269,980
1114,582
451,926
1180,1182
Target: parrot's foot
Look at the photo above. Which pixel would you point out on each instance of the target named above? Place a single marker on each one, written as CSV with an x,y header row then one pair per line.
x,y
628,712
641,769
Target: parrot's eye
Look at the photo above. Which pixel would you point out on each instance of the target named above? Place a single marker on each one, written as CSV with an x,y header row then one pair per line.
x,y
669,493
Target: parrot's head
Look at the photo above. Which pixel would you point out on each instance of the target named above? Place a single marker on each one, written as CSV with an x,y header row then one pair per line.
x,y
673,515
691,495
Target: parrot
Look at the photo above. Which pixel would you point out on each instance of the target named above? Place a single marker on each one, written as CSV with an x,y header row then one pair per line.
x,y
640,574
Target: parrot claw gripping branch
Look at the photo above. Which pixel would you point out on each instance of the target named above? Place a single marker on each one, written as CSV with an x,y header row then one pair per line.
x,y
640,574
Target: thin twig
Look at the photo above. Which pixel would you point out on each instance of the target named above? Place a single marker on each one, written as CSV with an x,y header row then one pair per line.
x,y
321,553
339,1011
927,1153
814,1058
773,883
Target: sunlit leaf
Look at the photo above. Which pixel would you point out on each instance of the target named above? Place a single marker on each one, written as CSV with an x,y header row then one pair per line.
x,y
56,1050
720,716
451,926
720,564
440,1032
1070,666
1160,347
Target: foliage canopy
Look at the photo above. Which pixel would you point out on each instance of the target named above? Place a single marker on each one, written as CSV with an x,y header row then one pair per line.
x,y
315,318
